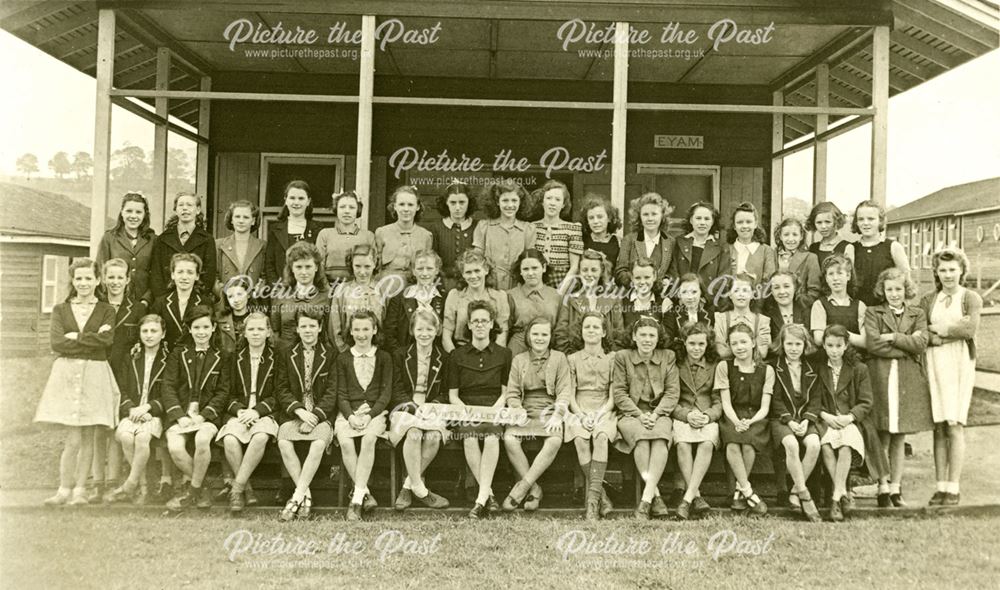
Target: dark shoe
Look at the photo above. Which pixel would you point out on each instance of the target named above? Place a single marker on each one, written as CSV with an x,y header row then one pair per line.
x,y
205,498
884,501
354,512
403,500
534,499
141,497
432,500
223,493
808,508
950,499
606,505
593,508
836,514
164,493
249,496
937,499
684,510
846,506
739,503
305,508
236,501
897,501
700,506
290,511
658,509
642,511
478,511
757,506
285,491
492,506
517,495
369,503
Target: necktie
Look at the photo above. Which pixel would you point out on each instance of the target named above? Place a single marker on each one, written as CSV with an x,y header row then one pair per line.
x,y
307,369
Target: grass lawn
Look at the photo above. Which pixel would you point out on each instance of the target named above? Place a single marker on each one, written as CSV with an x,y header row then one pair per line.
x,y
108,549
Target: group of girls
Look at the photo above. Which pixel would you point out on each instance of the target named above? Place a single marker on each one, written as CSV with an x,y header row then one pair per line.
x,y
693,341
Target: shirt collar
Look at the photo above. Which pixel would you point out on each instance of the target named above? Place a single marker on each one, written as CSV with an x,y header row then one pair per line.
x,y
518,224
710,238
896,310
359,355
637,360
700,364
450,223
412,291
833,368
357,228
404,232
181,228
538,357
654,241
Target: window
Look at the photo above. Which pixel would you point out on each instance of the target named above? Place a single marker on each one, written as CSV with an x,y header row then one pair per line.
x,y
940,233
325,175
55,280
903,236
954,234
915,245
928,243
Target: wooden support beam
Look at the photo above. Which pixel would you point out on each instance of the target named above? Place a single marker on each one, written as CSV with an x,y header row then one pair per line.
x,y
822,122
848,78
158,202
366,89
100,208
923,73
150,116
777,163
204,122
124,64
909,17
896,83
88,63
926,50
81,43
619,128
844,44
880,122
798,125
838,130
846,97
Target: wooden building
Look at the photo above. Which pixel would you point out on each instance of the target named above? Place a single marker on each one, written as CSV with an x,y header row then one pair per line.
x,y
696,101
40,233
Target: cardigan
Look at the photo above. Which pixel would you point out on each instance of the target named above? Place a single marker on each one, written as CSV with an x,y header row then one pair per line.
x,y
90,344
200,243
289,381
558,382
241,385
131,387
626,388
116,244
182,387
693,395
404,375
278,243
350,394
634,248
786,405
972,304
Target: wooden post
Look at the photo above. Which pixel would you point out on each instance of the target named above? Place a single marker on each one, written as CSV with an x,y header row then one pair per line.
x,y
366,88
204,114
618,122
100,208
822,122
880,122
777,163
159,201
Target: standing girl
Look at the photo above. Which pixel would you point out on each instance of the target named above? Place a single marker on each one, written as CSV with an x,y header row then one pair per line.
x,y
241,253
424,294
793,257
305,392
646,390
745,384
690,309
740,296
295,224
827,220
953,313
531,298
504,235
783,307
236,309
335,243
359,293
560,241
700,251
184,233
418,375
750,252
873,253
81,392
540,383
795,414
141,409
249,424
836,306
303,287
643,298
185,293
593,425
600,221
649,219
477,375
131,240
452,234
897,339
696,417
846,394
474,268
396,243
594,292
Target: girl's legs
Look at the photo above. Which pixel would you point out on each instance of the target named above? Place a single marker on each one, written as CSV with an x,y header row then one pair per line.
x,y
702,461
843,469
366,459
348,454
941,452
793,464
515,454
830,462
685,464
487,466
99,463
658,454
140,458
127,440
68,460
473,456
86,458
735,458
413,458
290,459
177,445
598,465
234,452
897,451
308,470
203,440
251,459
811,443
956,456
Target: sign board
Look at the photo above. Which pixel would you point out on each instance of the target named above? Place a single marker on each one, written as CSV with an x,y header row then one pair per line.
x,y
679,142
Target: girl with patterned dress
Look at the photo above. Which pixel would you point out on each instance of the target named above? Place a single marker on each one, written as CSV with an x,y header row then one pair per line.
x,y
504,234
559,240
452,234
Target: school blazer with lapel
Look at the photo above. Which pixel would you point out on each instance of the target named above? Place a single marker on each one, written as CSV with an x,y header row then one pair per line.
x,y
278,243
558,378
783,403
169,309
566,338
805,266
228,263
674,321
701,396
290,381
132,386
853,393
396,328
626,386
633,247
169,243
181,385
126,330
404,375
713,264
115,244
907,349
801,314
240,384
350,395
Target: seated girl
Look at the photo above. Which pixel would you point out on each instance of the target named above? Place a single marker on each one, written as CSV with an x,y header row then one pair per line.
x,y
741,295
424,293
531,298
592,292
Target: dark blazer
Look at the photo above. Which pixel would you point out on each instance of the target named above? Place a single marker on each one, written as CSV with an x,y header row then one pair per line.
x,y
350,395
228,264
786,405
132,386
567,339
715,262
89,344
126,335
633,248
697,395
853,394
116,244
169,243
676,318
289,383
166,307
404,374
396,328
801,314
241,385
181,385
278,243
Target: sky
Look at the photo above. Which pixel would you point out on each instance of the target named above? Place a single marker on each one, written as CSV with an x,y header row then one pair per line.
x,y
944,132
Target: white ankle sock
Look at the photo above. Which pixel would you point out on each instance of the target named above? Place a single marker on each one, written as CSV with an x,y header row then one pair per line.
x,y
406,483
359,495
942,486
420,491
894,488
883,488
484,496
952,487
647,496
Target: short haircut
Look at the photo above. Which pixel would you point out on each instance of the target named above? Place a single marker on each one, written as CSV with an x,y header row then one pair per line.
x,y
361,250
688,227
347,195
895,274
152,318
487,306
304,251
426,253
256,315
837,331
607,341
873,205
599,257
649,322
185,257
836,260
692,329
427,316
567,199
295,184
311,313
114,262
534,255
243,203
200,311
839,219
403,189
492,204
592,201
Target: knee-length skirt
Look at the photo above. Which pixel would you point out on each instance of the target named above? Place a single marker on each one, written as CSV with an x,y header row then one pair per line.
x,y
539,407
264,425
153,427
756,436
591,402
849,436
290,430
685,433
632,431
79,392
779,431
343,428
400,423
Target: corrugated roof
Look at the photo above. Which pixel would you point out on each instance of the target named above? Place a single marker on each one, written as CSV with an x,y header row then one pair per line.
x,y
28,212
953,200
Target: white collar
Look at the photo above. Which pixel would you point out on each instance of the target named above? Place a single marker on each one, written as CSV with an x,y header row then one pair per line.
x,y
450,223
710,238
359,355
